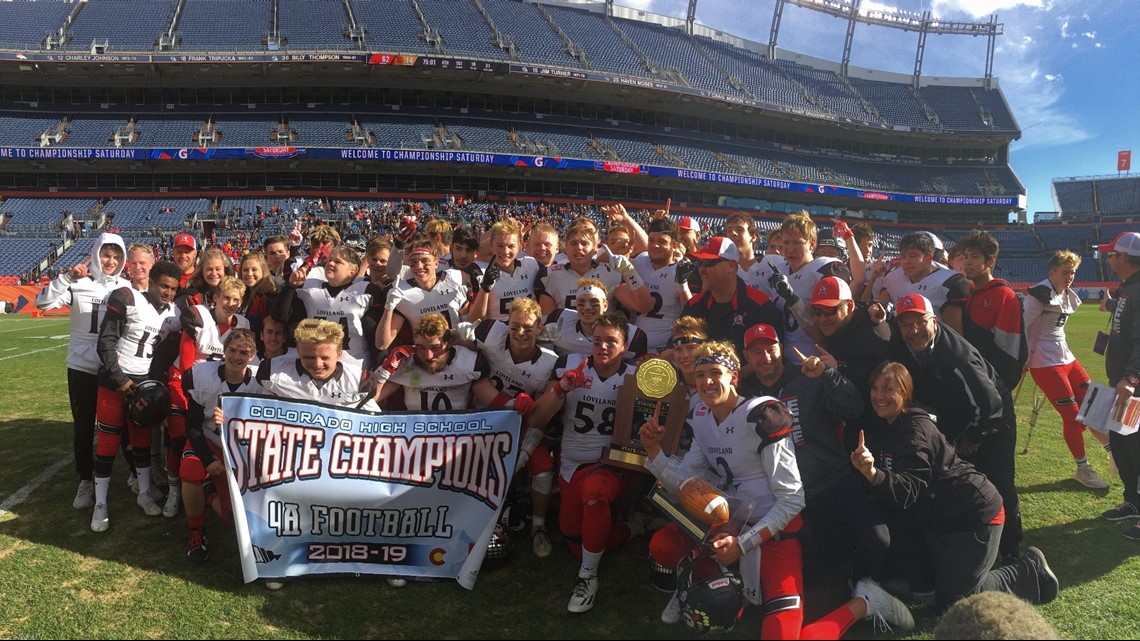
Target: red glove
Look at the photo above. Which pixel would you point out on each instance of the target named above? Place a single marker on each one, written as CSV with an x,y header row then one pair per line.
x,y
841,230
573,379
396,357
407,228
317,257
523,404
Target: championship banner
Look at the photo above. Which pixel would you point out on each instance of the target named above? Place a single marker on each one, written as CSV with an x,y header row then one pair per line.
x,y
328,490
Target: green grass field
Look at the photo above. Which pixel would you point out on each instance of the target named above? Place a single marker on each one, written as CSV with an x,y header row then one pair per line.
x,y
60,580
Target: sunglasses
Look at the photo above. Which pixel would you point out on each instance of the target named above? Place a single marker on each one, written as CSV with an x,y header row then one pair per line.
x,y
824,311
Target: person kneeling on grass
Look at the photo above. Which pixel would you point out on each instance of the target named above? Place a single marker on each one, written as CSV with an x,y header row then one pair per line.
x,y
949,516
743,446
203,467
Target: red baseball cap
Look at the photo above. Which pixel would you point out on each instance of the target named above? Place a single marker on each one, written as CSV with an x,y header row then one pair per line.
x,y
185,240
830,291
914,303
1127,242
717,247
689,223
760,331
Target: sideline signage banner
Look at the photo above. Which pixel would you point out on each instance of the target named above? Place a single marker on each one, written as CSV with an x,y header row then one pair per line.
x,y
327,490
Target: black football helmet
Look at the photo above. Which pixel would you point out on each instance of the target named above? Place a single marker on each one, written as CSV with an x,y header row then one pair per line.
x,y
827,238
150,404
499,549
712,597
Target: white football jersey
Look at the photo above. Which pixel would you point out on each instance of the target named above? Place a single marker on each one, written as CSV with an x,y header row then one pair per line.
x,y
803,282
508,287
208,339
447,297
144,328
657,323
560,282
346,308
941,286
757,275
588,415
564,332
204,383
448,389
1046,313
285,377
530,376
731,450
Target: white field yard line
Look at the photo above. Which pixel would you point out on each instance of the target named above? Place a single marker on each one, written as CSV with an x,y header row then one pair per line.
x,y
51,324
23,493
34,351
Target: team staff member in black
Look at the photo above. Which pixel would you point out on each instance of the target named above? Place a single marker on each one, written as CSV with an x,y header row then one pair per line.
x,y
839,516
949,517
1122,364
855,336
973,407
726,303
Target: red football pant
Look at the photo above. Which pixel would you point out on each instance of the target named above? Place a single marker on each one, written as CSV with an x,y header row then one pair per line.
x,y
781,583
540,461
585,517
194,472
1065,387
111,418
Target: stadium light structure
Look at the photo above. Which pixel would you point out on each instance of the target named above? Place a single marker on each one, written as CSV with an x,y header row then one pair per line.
x,y
922,23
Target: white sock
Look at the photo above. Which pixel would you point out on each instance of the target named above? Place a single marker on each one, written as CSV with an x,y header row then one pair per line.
x,y
102,487
537,522
590,562
144,480
175,483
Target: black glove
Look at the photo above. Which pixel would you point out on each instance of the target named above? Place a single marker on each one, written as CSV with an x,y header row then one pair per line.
x,y
490,275
685,270
779,282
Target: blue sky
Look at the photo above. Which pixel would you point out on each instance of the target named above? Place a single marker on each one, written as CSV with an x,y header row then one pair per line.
x,y
1070,69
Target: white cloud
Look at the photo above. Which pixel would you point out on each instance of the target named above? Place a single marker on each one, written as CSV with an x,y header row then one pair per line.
x,y
1054,77
980,8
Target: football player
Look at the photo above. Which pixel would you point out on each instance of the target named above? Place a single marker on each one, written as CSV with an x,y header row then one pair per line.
x,y
127,339
667,281
84,289
558,285
429,289
507,278
203,478
918,273
571,331
585,389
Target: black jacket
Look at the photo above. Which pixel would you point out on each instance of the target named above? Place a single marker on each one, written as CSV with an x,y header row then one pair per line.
x,y
1123,354
956,384
919,474
819,407
859,347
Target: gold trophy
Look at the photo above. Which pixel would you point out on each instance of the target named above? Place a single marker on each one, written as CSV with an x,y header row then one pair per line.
x,y
655,380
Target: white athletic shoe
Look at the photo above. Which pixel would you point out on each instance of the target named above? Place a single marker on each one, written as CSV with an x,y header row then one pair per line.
x,y
672,612
540,542
1088,477
148,505
133,483
155,492
100,520
585,590
274,585
397,583
882,608
170,510
84,496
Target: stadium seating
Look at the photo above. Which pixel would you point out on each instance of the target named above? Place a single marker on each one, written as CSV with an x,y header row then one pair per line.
x,y
313,25
133,214
391,25
605,50
1074,197
461,27
530,31
33,214
1118,196
224,25
17,255
124,25
25,23
1070,236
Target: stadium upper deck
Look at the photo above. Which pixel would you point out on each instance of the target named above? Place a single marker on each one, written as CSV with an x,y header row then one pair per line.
x,y
334,93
